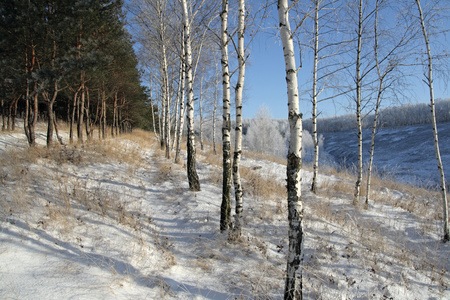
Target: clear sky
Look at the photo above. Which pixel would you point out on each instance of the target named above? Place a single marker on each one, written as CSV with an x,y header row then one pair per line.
x,y
265,84
265,81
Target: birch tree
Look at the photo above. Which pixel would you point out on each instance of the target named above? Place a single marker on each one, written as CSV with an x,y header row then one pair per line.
x,y
388,56
194,182
358,101
181,96
293,286
381,88
429,82
225,208
326,46
314,96
238,130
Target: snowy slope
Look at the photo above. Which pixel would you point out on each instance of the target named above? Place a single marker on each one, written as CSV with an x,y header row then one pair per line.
x,y
115,220
405,152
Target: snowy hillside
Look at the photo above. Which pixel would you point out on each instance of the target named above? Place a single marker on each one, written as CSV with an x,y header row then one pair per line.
x,y
115,220
406,152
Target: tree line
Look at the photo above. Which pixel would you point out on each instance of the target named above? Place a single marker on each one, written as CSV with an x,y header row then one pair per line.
x,y
71,60
394,116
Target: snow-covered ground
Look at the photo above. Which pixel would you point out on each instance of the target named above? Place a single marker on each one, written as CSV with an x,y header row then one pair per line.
x,y
115,220
406,153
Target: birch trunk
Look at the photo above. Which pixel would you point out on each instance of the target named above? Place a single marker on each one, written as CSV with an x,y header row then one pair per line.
x,y
314,100
214,112
194,182
429,82
166,98
293,286
200,112
177,107
238,130
181,111
358,105
225,208
377,107
161,128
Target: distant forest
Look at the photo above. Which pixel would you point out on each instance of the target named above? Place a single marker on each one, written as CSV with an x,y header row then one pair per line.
x,y
404,115
71,60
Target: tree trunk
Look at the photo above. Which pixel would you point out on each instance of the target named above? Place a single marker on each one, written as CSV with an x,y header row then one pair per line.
x,y
377,107
3,115
88,116
358,106
177,107
314,100
114,113
32,119
162,122
72,119
293,287
50,123
214,112
31,101
429,82
238,131
14,114
181,111
166,97
194,182
225,208
200,112
103,113
80,120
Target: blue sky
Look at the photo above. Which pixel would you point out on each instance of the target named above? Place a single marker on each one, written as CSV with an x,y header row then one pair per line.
x,y
265,81
266,86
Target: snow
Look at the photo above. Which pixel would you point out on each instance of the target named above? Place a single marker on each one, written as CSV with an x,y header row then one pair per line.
x,y
406,153
115,220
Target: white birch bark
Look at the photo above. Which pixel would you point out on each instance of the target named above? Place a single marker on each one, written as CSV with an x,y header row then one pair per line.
x,y
429,82
194,182
293,287
200,99
165,138
181,111
166,98
314,100
225,208
381,77
214,114
162,121
238,130
358,81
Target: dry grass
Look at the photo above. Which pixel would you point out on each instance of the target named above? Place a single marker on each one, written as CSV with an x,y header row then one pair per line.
x,y
260,186
263,156
211,158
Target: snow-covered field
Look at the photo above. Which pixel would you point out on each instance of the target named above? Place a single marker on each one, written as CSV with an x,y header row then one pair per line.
x,y
406,153
115,220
